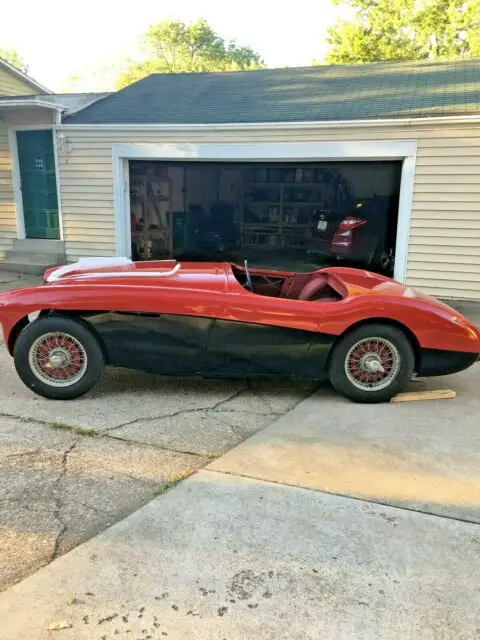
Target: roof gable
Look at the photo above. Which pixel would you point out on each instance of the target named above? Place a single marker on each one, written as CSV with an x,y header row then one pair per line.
x,y
23,77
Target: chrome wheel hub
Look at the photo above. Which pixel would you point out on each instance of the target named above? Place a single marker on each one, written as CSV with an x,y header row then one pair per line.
x,y
59,358
372,364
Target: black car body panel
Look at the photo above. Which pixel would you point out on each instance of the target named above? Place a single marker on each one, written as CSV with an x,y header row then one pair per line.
x,y
186,345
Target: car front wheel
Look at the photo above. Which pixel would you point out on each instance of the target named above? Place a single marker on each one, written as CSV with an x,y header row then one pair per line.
x,y
58,357
372,363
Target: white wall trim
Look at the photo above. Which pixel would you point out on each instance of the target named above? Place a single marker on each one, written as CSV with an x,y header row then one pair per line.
x,y
269,151
31,102
407,182
57,182
274,126
121,199
30,127
16,177
16,183
404,150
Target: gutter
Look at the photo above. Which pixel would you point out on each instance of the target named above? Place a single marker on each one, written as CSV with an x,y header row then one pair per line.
x,y
275,126
31,103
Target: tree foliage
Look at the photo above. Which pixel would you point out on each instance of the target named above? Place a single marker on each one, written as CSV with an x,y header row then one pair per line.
x,y
12,57
382,30
94,79
173,46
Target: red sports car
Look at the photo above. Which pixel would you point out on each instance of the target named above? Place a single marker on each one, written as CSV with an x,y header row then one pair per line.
x,y
366,333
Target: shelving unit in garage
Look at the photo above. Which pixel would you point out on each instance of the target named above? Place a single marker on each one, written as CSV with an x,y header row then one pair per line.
x,y
151,217
278,203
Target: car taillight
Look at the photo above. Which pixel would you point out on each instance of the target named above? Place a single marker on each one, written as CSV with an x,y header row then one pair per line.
x,y
351,222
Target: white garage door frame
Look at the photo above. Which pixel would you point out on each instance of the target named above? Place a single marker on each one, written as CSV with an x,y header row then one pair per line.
x,y
404,150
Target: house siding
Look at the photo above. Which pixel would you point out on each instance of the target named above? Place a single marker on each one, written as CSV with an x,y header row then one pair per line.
x,y
29,117
10,85
7,208
444,246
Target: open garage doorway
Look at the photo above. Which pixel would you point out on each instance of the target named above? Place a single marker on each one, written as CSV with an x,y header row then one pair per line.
x,y
292,216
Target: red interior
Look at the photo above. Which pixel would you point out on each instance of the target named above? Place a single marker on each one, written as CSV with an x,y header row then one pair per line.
x,y
295,286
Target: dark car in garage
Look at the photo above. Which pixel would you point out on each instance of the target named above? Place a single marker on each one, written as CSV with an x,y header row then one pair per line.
x,y
361,231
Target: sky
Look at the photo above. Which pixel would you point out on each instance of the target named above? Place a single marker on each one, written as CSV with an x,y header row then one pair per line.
x,y
59,39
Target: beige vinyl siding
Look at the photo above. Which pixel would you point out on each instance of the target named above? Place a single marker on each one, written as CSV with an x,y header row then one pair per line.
x,y
7,208
29,117
444,248
10,85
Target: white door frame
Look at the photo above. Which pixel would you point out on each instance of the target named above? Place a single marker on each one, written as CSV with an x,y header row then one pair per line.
x,y
404,150
16,177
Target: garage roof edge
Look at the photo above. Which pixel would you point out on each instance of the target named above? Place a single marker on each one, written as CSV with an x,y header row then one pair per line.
x,y
375,122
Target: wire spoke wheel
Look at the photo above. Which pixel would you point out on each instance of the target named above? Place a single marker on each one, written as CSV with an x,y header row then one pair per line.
x,y
372,364
58,359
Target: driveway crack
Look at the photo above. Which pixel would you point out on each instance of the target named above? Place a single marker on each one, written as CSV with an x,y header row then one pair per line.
x,y
59,501
257,395
177,413
160,417
232,397
99,512
163,448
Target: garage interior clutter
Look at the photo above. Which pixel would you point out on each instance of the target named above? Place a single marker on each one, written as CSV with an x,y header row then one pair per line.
x,y
284,216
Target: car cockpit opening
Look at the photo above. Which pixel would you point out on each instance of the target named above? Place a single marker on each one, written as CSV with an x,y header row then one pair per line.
x,y
313,286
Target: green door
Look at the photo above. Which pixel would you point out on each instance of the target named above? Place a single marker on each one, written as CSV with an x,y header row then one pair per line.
x,y
39,186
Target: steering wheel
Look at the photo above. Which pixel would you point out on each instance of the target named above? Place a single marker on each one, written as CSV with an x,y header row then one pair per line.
x,y
249,279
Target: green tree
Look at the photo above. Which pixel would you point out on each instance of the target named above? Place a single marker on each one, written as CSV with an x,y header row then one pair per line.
x,y
13,58
94,79
448,28
382,30
173,46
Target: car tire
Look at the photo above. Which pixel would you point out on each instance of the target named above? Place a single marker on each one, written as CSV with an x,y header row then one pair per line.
x,y
384,260
58,357
355,354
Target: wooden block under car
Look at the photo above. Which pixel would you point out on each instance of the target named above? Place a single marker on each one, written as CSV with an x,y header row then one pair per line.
x,y
411,396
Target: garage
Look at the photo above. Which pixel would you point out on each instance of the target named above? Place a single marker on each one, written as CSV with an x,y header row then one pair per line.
x,y
287,215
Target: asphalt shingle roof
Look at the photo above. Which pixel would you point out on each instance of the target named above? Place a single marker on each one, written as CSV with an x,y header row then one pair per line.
x,y
353,92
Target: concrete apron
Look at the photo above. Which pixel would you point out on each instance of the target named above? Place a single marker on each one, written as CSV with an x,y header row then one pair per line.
x,y
417,455
221,556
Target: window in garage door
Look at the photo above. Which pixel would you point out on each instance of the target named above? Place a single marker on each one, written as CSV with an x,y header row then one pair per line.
x,y
290,216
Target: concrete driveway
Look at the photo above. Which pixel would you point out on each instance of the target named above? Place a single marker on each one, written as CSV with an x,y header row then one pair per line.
x,y
422,456
260,545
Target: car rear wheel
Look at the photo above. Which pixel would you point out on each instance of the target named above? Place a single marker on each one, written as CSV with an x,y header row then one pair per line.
x,y
372,363
58,357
